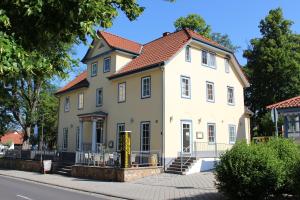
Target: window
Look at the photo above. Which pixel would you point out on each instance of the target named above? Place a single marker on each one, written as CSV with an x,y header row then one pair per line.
x,y
65,138
211,133
210,93
77,138
185,87
204,58
80,101
293,124
212,59
188,54
230,95
120,128
121,92
94,69
227,66
145,136
106,64
146,87
99,97
232,134
67,104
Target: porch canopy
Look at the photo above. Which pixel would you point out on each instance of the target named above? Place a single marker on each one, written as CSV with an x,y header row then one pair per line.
x,y
90,117
290,110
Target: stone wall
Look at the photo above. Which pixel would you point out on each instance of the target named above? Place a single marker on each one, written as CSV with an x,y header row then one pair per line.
x,y
23,165
113,174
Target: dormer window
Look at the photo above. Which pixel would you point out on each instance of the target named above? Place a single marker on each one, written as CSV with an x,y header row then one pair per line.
x,y
209,59
106,64
94,69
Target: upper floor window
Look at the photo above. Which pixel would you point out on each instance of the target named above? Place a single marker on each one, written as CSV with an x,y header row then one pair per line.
x,y
210,93
204,58
211,129
232,134
99,97
146,87
230,95
80,101
67,104
106,64
122,92
94,69
185,87
227,66
209,59
188,54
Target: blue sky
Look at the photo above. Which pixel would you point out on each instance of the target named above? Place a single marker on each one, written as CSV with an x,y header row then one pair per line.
x,y
237,18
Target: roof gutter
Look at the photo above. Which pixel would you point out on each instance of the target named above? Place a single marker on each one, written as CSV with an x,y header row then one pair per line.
x,y
137,70
215,46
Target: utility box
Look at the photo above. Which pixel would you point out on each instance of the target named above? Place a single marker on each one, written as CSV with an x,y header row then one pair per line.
x,y
125,148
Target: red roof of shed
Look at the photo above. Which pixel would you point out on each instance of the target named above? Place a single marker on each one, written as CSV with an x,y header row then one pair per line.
x,y
14,136
289,103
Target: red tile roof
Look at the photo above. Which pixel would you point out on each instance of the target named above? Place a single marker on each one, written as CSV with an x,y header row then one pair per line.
x,y
118,42
78,79
13,136
157,51
289,103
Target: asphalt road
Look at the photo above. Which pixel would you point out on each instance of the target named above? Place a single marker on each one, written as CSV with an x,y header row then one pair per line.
x,y
15,189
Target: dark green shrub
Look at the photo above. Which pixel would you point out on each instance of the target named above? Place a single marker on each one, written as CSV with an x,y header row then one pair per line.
x,y
257,171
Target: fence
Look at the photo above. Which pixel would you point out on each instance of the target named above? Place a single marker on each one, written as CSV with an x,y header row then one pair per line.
x,y
210,150
12,154
138,158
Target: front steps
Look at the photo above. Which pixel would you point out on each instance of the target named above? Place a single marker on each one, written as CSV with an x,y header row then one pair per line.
x,y
187,163
63,168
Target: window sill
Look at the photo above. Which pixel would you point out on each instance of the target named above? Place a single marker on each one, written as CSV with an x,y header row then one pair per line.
x,y
210,101
146,97
231,104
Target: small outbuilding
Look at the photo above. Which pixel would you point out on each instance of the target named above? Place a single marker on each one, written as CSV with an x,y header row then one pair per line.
x,y
14,138
290,110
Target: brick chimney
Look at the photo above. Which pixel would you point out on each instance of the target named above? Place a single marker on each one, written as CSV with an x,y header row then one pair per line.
x,y
166,33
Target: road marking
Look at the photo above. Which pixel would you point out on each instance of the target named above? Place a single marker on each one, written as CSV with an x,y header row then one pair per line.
x,y
24,197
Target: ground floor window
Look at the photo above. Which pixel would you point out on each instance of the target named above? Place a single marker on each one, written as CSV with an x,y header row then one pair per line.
x,y
99,131
65,138
232,134
211,129
77,138
145,136
120,128
293,124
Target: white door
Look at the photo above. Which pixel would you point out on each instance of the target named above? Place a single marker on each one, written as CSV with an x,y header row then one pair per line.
x,y
186,136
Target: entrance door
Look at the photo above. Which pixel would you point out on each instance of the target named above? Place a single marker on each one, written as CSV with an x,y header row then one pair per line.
x,y
99,131
186,136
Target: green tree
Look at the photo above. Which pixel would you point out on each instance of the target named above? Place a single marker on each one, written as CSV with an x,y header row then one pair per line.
x,y
196,23
273,66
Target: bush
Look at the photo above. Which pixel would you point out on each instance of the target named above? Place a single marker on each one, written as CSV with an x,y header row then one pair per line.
x,y
257,171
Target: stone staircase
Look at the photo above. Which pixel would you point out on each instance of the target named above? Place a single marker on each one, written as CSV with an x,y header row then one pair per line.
x,y
187,163
62,168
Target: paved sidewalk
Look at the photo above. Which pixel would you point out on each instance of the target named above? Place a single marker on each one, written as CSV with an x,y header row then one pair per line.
x,y
163,186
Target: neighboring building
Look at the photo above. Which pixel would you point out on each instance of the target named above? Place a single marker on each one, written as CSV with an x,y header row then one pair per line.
x,y
174,93
13,137
290,110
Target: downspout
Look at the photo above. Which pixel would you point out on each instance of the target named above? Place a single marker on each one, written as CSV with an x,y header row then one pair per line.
x,y
163,117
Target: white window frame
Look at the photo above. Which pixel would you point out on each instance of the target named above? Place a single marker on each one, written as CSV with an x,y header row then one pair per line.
x,y
148,89
67,104
77,138
105,69
120,127
143,138
94,69
188,54
185,87
80,101
65,138
229,97
98,97
213,92
227,65
121,92
232,138
208,133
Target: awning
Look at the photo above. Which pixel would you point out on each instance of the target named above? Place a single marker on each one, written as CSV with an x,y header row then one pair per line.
x,y
93,115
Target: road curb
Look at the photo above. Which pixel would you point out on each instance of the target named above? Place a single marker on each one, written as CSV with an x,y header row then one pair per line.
x,y
66,187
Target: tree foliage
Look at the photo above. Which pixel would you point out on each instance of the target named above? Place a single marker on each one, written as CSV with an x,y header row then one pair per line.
x,y
273,65
196,23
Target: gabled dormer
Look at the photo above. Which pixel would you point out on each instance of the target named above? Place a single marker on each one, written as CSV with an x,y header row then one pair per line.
x,y
109,53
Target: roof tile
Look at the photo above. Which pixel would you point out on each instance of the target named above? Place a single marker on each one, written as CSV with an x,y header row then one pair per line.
x,y
289,103
72,83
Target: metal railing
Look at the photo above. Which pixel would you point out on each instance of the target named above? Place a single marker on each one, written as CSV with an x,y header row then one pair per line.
x,y
210,150
96,159
12,154
146,158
